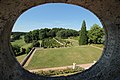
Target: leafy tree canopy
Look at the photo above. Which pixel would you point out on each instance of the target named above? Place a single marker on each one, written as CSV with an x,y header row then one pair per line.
x,y
96,34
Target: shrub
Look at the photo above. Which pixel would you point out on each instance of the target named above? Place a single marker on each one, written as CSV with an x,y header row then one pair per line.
x,y
58,72
28,49
49,43
16,49
35,44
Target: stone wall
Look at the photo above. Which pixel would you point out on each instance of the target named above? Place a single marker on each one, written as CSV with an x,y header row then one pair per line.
x,y
106,68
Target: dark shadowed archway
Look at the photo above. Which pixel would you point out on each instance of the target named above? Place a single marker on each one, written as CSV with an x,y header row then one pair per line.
x,y
107,67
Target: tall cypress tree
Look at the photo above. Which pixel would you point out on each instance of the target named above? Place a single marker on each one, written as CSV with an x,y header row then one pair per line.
x,y
83,39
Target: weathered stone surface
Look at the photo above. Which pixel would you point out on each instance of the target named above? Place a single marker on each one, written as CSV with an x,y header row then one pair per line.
x,y
107,67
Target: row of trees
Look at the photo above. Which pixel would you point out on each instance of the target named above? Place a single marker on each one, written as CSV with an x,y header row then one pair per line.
x,y
93,36
16,35
67,33
19,50
49,33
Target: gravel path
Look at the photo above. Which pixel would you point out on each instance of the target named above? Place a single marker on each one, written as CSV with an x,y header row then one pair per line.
x,y
85,66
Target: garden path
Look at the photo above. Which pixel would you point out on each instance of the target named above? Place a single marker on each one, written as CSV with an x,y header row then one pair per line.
x,y
85,66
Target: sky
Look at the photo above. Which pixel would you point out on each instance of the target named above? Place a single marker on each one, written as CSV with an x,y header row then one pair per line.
x,y
53,15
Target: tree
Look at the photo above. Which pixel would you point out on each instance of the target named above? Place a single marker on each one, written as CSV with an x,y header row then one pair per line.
x,y
35,44
61,34
28,37
23,51
16,49
67,33
52,33
16,35
83,39
43,34
28,49
35,34
96,34
49,33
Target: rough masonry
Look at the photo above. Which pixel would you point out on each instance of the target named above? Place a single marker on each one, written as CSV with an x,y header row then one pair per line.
x,y
106,68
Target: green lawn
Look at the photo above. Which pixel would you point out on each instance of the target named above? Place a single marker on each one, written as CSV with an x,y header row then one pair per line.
x,y
46,58
74,42
21,57
98,45
21,43
76,38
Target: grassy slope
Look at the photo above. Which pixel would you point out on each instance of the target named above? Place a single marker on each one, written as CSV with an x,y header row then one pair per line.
x,y
19,42
44,58
22,44
98,45
20,58
74,42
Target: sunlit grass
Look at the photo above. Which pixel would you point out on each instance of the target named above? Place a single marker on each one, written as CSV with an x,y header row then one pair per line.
x,y
46,58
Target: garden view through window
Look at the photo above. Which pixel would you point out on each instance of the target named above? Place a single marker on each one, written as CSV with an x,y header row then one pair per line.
x,y
57,39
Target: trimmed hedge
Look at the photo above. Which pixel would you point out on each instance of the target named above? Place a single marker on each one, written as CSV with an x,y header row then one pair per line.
x,y
59,72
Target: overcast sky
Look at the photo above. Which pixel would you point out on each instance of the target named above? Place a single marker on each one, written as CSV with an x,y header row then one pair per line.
x,y
55,15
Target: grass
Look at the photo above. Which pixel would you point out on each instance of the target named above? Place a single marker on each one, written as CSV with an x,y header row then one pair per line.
x,y
46,58
20,58
74,42
56,57
21,43
98,45
75,38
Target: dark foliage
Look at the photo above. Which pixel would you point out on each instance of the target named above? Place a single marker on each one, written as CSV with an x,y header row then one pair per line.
x,y
83,39
96,35
16,49
58,72
16,35
49,33
35,44
49,43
